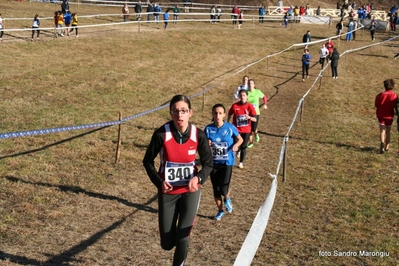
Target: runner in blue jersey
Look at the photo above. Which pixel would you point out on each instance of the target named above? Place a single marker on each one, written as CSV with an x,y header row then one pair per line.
x,y
224,140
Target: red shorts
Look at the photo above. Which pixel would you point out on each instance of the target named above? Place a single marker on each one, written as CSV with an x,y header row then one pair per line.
x,y
385,121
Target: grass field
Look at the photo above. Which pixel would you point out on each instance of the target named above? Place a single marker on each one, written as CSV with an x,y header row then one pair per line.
x,y
65,202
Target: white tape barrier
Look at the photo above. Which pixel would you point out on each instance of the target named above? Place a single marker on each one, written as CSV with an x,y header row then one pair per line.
x,y
254,237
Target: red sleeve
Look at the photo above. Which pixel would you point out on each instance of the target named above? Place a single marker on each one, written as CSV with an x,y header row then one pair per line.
x,y
377,101
265,99
231,110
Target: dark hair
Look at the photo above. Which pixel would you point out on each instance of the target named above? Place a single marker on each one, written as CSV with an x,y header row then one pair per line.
x,y
217,106
389,84
178,98
243,90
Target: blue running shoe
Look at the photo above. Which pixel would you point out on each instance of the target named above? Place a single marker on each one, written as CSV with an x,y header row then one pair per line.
x,y
218,216
229,206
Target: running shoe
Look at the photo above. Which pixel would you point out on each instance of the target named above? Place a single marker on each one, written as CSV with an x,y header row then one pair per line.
x,y
250,145
218,216
240,165
257,139
229,206
238,154
382,150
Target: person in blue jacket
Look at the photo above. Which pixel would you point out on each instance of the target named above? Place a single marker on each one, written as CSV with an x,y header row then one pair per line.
x,y
67,21
261,14
165,19
224,140
305,63
157,11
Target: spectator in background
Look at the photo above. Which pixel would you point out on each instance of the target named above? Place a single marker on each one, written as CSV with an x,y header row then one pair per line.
x,y
339,5
360,14
306,57
372,29
240,19
290,11
306,37
35,27
280,6
165,19
67,21
285,20
355,27
213,14
308,10
261,13
393,20
176,13
187,4
334,63
55,22
393,9
323,55
342,14
60,25
296,14
351,27
157,11
150,10
218,13
64,6
75,24
138,9
125,12
1,29
330,47
385,102
235,13
340,27
318,11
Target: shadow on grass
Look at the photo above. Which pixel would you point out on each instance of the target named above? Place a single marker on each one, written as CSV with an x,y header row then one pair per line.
x,y
52,144
340,145
78,190
67,256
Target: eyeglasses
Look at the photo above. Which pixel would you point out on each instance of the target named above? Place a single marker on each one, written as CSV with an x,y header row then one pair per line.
x,y
177,111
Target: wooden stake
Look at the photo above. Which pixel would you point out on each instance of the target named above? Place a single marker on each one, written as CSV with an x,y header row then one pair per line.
x,y
118,145
285,160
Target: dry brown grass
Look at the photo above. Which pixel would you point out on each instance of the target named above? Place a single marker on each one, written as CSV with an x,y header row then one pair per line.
x,y
64,202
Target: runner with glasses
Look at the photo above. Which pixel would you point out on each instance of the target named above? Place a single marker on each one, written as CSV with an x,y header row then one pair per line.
x,y
178,180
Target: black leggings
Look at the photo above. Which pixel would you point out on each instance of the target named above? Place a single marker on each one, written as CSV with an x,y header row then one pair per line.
x,y
220,177
176,219
254,125
1,34
305,69
334,71
33,32
74,27
243,147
